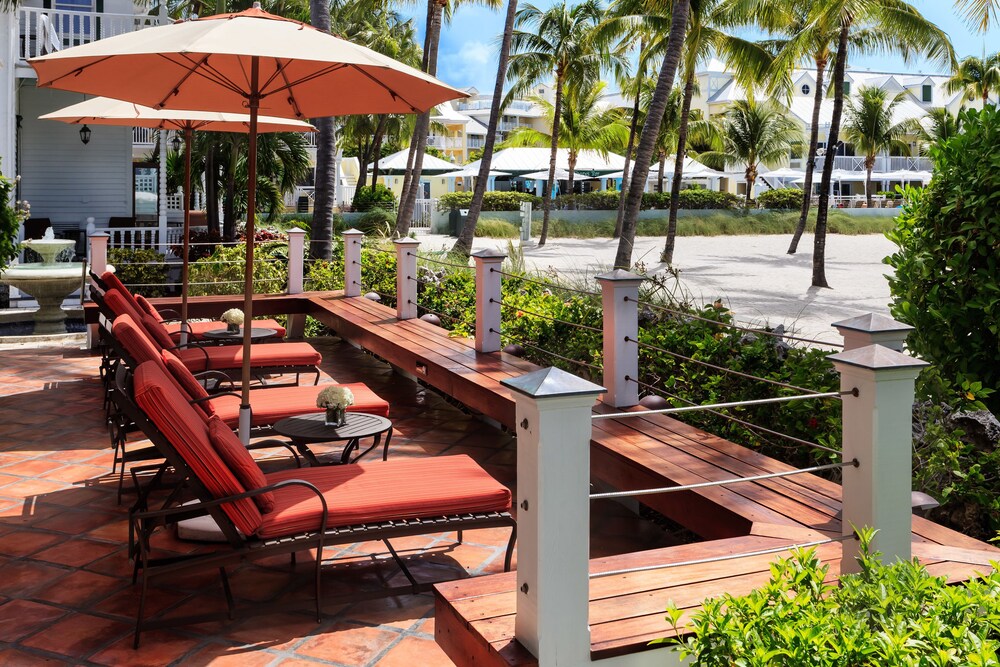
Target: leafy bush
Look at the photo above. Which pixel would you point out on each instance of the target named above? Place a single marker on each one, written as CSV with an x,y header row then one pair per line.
x,y
222,272
706,199
375,196
138,268
493,200
201,244
10,220
656,200
887,615
947,278
785,199
376,222
598,200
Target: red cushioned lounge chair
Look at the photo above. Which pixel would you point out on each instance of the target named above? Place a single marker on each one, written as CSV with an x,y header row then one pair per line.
x,y
171,319
285,512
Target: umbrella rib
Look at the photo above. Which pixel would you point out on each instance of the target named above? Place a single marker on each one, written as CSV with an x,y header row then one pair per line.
x,y
315,75
291,95
202,69
76,72
188,73
393,93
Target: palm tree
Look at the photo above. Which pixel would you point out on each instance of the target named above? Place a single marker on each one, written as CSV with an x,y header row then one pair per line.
x,y
321,229
464,243
871,129
583,125
976,78
650,130
980,13
560,42
751,134
938,126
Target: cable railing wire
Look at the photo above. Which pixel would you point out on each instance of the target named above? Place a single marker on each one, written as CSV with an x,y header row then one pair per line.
x,y
722,558
439,261
436,312
723,369
544,284
853,463
733,326
585,327
549,352
737,420
728,404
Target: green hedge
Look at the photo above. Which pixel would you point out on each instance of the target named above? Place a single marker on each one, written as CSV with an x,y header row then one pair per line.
x,y
370,197
784,199
138,267
494,200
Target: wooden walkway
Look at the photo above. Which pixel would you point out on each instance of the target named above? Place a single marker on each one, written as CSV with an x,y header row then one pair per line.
x,y
474,618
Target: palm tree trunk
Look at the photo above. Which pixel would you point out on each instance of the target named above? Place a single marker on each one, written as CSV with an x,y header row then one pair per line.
x,y
628,159
675,186
751,178
869,164
364,157
819,242
411,152
647,141
662,168
464,243
325,185
553,156
211,192
572,173
811,161
406,206
383,120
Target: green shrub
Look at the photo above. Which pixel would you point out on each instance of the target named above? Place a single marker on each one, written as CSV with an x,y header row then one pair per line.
x,y
888,615
140,269
693,198
656,200
493,228
222,272
947,277
598,200
494,200
376,222
10,221
785,199
370,197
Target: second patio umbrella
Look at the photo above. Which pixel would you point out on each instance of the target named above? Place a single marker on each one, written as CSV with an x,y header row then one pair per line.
x,y
252,61
105,111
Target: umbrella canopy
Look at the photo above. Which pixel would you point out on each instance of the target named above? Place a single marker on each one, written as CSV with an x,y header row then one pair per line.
x,y
248,61
471,173
396,162
106,111
561,175
784,172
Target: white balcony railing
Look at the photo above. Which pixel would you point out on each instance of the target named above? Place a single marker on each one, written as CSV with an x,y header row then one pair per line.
x,y
883,163
143,136
43,31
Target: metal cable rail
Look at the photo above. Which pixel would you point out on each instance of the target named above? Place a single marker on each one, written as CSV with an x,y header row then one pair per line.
x,y
421,281
709,406
548,317
435,312
718,559
549,352
723,369
732,326
543,284
439,261
723,482
215,282
369,290
737,420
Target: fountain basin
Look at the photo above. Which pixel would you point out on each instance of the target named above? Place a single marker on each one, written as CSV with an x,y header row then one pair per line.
x,y
49,285
49,248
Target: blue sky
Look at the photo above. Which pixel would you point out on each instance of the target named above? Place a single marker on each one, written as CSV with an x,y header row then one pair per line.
x,y
469,44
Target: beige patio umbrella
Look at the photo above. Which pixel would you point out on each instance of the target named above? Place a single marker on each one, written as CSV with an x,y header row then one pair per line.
x,y
106,111
252,61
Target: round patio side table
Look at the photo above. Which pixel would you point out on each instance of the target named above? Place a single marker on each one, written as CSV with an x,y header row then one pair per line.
x,y
224,336
304,430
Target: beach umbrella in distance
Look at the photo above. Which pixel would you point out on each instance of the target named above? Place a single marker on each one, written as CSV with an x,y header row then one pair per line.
x,y
107,111
245,62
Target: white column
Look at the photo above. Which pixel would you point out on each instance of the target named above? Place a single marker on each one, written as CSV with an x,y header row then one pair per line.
x,y
872,329
162,189
337,157
99,252
878,434
553,514
296,260
9,42
620,303
406,278
352,261
488,299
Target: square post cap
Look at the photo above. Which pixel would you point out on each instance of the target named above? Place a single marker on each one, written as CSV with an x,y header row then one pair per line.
x,y
552,382
406,241
295,231
619,276
99,235
877,358
489,254
872,323
352,232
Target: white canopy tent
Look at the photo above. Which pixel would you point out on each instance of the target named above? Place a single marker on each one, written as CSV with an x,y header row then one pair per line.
x,y
471,173
560,175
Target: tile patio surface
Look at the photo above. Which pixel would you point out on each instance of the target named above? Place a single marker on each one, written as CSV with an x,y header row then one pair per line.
x,y
65,580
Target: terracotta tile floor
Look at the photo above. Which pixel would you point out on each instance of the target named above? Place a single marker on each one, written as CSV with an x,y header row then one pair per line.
x,y
65,590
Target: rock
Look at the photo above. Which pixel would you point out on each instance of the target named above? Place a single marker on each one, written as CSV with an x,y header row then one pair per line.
x,y
431,318
981,427
373,296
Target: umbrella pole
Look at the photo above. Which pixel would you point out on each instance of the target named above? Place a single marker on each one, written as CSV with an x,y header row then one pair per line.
x,y
254,103
187,235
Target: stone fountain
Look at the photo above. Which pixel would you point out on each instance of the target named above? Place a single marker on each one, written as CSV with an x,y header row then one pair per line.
x,y
48,281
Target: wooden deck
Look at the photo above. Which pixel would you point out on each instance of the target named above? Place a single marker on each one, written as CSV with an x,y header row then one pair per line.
x,y
474,618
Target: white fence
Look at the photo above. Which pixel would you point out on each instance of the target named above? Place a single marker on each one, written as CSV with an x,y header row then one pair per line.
x,y
44,31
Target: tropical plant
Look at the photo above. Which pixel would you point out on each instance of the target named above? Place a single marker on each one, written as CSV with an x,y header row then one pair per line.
x,y
463,245
976,78
871,129
783,199
11,217
946,276
980,13
368,197
558,42
751,134
325,183
937,126
583,125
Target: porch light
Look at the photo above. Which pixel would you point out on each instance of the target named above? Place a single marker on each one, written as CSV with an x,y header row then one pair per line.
x,y
176,143
85,135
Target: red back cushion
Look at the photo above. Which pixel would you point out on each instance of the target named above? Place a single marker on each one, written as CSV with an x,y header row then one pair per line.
x,y
186,430
186,381
148,308
135,340
111,280
121,305
157,332
229,448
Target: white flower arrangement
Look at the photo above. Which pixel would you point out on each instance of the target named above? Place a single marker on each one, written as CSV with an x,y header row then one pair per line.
x,y
233,316
335,397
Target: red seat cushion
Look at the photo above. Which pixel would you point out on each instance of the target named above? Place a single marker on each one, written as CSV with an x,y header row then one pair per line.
x,y
228,357
235,455
187,381
198,329
135,340
371,492
148,308
185,429
156,332
272,404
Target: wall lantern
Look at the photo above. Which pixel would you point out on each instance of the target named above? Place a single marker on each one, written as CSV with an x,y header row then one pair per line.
x,y
176,143
85,135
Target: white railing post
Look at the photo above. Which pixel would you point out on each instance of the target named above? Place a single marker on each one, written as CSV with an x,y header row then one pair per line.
x,y
620,302
488,299
162,195
352,261
98,259
406,278
878,434
873,329
553,514
296,325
